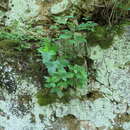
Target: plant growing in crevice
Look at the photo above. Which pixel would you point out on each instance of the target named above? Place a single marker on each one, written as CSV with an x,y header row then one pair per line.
x,y
72,36
60,50
62,74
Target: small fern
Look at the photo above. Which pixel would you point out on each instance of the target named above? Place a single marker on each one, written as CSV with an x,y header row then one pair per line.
x,y
62,74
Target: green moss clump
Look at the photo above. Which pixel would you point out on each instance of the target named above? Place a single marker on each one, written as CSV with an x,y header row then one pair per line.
x,y
100,37
103,36
127,63
9,44
44,97
25,61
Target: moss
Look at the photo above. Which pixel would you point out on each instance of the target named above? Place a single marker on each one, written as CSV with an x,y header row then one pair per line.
x,y
100,37
25,62
104,35
41,116
32,119
25,99
92,96
70,121
121,119
44,97
9,44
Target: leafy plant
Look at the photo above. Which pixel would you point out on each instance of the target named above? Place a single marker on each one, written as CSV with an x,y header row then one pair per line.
x,y
62,74
58,52
72,41
61,79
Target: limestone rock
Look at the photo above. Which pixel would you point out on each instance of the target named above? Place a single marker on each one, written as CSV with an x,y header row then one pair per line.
x,y
21,10
61,7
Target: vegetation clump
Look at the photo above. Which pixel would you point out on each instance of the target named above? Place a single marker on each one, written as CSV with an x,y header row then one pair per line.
x,y
59,51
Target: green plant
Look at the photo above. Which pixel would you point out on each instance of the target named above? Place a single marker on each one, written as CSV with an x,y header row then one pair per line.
x,y
72,40
24,37
59,50
62,74
20,33
62,79
8,34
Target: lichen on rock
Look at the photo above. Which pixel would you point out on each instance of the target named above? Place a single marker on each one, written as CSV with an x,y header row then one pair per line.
x,y
105,103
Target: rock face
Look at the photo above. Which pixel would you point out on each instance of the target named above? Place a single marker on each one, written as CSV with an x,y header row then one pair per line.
x,y
18,102
21,10
61,7
34,10
106,104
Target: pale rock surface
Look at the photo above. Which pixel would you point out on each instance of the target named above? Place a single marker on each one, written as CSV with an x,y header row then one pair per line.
x,y
60,7
113,81
19,109
21,10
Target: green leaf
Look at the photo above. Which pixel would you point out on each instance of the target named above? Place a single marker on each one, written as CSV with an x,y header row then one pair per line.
x,y
86,26
52,66
79,38
62,84
67,35
63,62
47,56
70,75
69,16
71,42
54,27
55,79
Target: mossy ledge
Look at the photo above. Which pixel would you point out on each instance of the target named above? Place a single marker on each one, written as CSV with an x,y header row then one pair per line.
x,y
26,62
